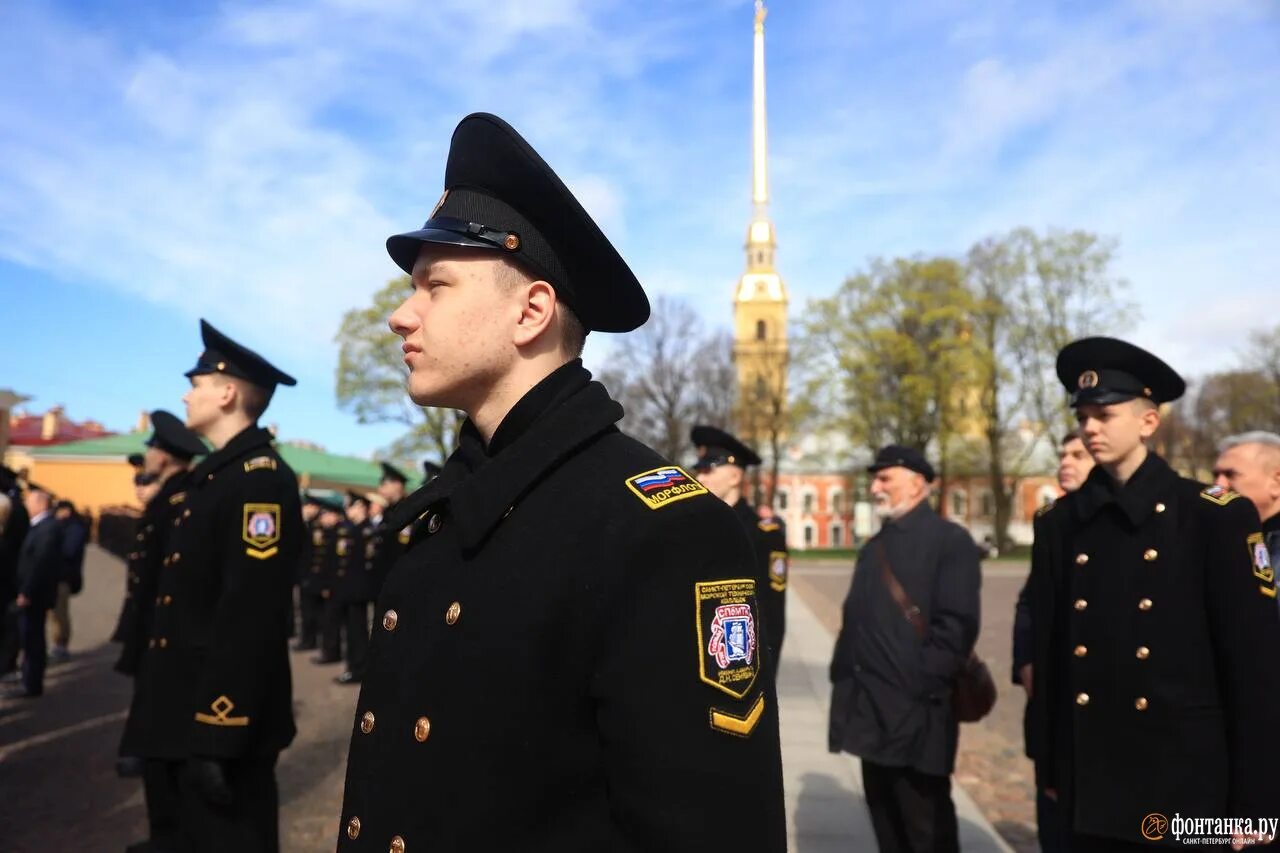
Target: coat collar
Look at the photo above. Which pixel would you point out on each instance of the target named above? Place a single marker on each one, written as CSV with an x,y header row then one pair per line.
x,y
247,439
918,515
481,485
1137,498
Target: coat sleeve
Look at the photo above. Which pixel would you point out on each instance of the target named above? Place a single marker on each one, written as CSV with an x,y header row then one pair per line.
x,y
1043,606
955,614
689,766
1241,592
1022,632
259,525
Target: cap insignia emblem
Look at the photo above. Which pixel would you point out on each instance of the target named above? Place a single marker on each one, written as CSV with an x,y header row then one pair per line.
x,y
1088,379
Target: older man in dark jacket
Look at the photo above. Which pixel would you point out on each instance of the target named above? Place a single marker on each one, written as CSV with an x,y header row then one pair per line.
x,y
891,700
40,566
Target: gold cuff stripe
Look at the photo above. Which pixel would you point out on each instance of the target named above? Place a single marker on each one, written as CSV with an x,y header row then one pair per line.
x,y
221,721
740,726
262,555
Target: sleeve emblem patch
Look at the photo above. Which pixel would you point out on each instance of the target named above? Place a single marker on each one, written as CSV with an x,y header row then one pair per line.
x,y
1218,495
261,530
260,463
779,562
221,715
177,498
769,526
1261,558
664,486
728,645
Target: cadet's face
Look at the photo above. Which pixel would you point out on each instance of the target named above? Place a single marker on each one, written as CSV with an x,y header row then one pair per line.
x,y
357,514
392,490
721,480
456,326
204,401
309,511
153,460
1074,465
1253,470
1114,431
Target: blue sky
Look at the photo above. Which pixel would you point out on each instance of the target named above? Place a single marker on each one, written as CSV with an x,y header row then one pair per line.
x,y
244,161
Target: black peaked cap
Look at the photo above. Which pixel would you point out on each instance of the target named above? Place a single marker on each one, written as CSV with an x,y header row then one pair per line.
x,y
719,447
223,355
171,435
391,472
501,196
1107,370
895,455
430,469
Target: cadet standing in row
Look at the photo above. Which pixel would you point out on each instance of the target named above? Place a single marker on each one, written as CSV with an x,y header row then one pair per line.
x,y
343,556
1154,609
387,542
722,467
213,691
356,589
568,657
166,466
311,561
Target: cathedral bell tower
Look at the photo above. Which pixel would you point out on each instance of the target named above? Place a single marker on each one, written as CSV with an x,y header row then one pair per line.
x,y
760,301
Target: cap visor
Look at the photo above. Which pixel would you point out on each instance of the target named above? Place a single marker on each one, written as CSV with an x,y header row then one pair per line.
x,y
404,248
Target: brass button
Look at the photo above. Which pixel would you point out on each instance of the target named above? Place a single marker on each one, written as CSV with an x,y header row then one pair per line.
x,y
511,243
389,620
1081,651
1081,604
1144,604
165,562
176,556
168,599
1081,559
1150,555
157,599
433,523
451,615
1160,507
1143,653
1140,703
186,513
151,644
397,844
353,828
139,537
366,722
164,641
1082,698
421,729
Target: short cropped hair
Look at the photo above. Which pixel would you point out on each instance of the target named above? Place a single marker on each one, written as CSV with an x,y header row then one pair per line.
x,y
1258,436
572,334
254,398
1073,435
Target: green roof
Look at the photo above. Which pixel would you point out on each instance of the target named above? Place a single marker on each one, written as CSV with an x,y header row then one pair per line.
x,y
317,464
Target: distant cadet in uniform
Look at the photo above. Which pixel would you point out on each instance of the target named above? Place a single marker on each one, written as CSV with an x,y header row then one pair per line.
x,y
166,465
551,666
311,562
1154,608
722,467
329,566
213,693
356,589
386,543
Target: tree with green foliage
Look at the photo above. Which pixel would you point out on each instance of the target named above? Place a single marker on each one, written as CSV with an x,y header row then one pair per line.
x,y
371,381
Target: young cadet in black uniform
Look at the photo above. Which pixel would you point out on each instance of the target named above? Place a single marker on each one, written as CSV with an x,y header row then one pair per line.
x,y
311,562
721,467
1155,626
334,554
166,466
569,656
355,590
386,543
213,691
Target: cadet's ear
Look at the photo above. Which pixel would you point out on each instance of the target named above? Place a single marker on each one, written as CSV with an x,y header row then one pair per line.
x,y
1150,416
535,313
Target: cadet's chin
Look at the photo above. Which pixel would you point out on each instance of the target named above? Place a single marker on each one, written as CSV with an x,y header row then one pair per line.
x,y
423,392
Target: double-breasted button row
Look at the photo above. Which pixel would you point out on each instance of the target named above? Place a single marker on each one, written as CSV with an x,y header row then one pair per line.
x,y
163,642
421,726
1140,703
353,832
164,600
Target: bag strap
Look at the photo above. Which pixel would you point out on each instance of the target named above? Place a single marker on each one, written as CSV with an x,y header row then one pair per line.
x,y
909,610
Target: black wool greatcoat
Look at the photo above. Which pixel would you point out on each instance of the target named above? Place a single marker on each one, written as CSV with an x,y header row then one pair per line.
x,y
1155,653
214,681
891,691
546,663
154,527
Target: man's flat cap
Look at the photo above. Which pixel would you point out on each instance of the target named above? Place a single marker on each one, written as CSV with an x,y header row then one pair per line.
x,y
171,435
1106,370
223,355
500,196
895,455
717,447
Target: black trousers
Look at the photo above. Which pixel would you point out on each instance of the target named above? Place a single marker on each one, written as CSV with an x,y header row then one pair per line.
x,y
911,812
31,621
331,628
250,824
357,635
311,605
160,786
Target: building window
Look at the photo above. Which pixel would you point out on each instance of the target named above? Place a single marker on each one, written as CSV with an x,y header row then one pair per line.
x,y
808,535
808,503
781,499
959,504
837,502
761,330
837,536
988,503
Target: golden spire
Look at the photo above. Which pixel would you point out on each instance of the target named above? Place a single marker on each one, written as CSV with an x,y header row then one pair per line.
x,y
760,234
